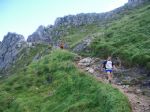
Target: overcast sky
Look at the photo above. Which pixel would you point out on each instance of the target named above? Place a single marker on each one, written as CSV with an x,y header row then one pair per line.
x,y
24,16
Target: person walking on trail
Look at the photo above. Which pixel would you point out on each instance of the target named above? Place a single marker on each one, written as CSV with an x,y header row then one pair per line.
x,y
108,65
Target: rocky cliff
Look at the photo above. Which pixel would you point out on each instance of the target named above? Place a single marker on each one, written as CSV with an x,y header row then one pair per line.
x,y
133,3
50,33
47,34
41,35
89,18
9,48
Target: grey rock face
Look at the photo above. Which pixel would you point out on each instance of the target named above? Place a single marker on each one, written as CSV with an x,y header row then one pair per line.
x,y
0,44
85,62
9,48
134,3
41,35
59,29
83,44
82,19
87,18
76,20
47,35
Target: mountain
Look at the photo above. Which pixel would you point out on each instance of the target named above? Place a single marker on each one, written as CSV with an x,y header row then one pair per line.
x,y
37,77
62,24
127,38
134,3
81,30
16,53
40,35
10,47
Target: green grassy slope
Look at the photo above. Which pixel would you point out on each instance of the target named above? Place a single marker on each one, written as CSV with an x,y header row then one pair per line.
x,y
26,56
54,84
74,34
128,37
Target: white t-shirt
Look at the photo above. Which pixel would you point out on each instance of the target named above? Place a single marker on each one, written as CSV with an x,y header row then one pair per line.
x,y
109,65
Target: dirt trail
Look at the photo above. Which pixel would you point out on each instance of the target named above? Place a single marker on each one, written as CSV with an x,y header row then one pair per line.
x,y
139,102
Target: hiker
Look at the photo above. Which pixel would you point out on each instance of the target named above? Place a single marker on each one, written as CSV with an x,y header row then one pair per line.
x,y
62,45
108,65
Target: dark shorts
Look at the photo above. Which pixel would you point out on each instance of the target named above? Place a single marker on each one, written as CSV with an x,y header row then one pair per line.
x,y
108,71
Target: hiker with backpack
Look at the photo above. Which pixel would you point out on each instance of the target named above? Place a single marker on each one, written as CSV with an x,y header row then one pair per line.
x,y
108,65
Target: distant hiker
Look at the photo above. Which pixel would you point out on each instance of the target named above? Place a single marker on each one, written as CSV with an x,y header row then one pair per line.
x,y
108,65
62,45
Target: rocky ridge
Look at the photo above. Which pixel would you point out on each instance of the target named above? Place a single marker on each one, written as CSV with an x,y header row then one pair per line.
x,y
134,3
41,35
49,33
13,43
9,49
62,24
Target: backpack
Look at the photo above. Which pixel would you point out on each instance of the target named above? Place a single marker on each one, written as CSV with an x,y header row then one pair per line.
x,y
104,64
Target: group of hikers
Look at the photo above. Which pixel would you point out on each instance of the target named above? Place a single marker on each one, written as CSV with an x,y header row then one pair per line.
x,y
108,66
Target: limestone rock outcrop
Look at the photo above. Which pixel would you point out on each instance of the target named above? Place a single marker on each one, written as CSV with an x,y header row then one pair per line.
x,y
54,32
9,49
134,3
41,35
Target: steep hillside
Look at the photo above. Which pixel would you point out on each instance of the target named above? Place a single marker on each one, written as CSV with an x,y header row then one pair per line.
x,y
128,37
54,84
63,25
125,26
45,79
28,55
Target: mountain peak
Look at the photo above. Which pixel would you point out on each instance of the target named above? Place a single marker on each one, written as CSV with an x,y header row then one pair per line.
x,y
13,37
9,48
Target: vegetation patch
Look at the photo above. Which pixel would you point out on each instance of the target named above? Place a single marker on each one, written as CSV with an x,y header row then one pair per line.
x,y
127,37
54,84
